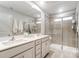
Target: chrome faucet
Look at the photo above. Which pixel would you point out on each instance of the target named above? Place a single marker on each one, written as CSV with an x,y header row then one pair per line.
x,y
12,38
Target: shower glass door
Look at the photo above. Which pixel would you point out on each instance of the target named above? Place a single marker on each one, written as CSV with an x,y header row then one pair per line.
x,y
64,38
69,31
64,31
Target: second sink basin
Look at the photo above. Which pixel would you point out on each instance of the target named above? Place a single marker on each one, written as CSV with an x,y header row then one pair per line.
x,y
13,42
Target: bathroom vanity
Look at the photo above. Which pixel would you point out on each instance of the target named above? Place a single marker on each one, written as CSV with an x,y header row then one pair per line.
x,y
26,47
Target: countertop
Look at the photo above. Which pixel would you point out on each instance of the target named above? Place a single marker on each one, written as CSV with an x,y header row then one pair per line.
x,y
19,40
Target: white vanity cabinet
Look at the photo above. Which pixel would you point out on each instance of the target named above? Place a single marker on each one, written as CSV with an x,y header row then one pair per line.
x,y
33,49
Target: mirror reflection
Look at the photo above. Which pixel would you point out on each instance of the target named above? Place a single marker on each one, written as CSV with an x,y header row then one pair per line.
x,y
18,17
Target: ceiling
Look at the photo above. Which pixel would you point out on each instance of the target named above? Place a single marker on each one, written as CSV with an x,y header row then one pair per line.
x,y
21,7
51,7
56,7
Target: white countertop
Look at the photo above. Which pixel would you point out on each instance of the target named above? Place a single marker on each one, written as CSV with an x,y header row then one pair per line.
x,y
20,39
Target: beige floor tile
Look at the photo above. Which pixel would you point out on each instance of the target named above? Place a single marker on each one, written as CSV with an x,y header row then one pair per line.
x,y
57,52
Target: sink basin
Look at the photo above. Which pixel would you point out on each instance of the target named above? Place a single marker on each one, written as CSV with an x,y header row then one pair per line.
x,y
12,42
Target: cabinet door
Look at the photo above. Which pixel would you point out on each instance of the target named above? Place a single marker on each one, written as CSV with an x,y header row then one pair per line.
x,y
29,53
38,51
38,56
19,56
45,48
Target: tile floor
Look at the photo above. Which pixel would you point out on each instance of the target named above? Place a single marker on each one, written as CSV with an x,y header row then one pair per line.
x,y
57,52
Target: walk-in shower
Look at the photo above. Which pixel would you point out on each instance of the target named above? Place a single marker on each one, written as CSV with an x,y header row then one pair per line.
x,y
64,31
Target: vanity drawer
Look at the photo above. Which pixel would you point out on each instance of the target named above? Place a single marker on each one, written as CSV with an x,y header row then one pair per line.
x,y
45,39
38,49
16,50
38,41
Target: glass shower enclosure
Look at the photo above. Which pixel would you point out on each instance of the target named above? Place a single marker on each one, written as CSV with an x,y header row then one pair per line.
x,y
64,31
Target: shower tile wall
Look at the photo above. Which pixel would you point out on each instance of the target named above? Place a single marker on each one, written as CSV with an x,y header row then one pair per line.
x,y
68,34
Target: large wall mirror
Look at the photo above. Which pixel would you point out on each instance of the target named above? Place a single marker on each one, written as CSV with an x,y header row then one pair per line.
x,y
18,17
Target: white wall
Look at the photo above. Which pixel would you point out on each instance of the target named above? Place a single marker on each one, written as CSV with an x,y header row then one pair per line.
x,y
45,23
